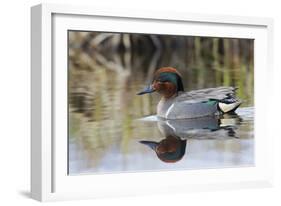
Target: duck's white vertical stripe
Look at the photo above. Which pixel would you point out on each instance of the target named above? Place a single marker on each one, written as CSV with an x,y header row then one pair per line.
x,y
171,126
168,111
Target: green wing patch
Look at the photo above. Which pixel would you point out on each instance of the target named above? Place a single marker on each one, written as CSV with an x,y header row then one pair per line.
x,y
210,102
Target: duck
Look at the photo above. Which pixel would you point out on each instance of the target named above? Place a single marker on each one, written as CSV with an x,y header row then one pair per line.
x,y
175,103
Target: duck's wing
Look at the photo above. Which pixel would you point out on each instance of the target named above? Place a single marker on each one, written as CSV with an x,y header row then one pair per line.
x,y
202,95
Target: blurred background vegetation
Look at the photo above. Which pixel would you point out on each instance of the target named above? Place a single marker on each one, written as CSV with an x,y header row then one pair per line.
x,y
106,70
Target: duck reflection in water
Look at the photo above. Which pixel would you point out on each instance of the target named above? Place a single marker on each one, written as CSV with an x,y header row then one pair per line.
x,y
176,132
170,149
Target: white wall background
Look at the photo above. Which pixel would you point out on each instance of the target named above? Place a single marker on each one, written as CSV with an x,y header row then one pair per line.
x,y
15,95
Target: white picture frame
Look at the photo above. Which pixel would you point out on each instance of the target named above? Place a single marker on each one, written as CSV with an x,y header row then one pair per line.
x,y
49,179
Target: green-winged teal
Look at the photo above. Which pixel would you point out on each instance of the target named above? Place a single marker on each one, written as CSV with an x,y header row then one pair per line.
x,y
177,104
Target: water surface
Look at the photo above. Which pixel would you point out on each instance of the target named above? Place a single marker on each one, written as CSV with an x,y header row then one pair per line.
x,y
210,143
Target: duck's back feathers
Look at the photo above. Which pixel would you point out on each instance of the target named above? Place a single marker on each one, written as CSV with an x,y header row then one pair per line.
x,y
203,95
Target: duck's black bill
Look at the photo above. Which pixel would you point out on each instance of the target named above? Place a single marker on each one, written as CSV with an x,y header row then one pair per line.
x,y
150,144
147,90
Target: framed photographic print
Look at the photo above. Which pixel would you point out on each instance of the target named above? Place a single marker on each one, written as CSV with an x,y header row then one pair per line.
x,y
121,99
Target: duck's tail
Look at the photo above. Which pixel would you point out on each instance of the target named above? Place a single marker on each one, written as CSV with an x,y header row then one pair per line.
x,y
227,107
228,104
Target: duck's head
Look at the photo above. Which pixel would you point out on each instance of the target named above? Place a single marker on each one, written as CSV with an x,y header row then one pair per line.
x,y
171,149
166,81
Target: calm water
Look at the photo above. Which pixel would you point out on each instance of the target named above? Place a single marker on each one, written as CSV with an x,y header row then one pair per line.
x,y
210,143
111,129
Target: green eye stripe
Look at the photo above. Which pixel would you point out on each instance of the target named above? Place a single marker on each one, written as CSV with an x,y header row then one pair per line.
x,y
172,78
168,77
